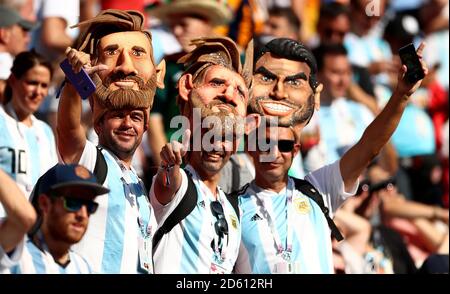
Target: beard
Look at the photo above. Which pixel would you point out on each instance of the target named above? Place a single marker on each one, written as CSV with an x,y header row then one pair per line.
x,y
227,122
58,227
124,97
301,114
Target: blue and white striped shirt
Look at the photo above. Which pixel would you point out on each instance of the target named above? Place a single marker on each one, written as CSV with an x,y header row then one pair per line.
x,y
124,215
311,236
26,153
187,248
37,261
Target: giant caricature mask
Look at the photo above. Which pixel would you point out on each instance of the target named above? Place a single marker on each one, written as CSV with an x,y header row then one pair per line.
x,y
118,39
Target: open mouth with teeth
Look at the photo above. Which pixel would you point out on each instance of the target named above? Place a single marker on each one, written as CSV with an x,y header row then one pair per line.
x,y
276,109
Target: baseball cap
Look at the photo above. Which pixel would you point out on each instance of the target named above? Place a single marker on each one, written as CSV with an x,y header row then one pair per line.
x,y
9,17
63,176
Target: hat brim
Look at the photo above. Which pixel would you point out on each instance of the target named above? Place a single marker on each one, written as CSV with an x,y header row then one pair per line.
x,y
94,187
26,25
209,10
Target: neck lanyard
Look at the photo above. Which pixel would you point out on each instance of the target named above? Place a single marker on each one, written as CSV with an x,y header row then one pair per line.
x,y
220,245
126,183
285,252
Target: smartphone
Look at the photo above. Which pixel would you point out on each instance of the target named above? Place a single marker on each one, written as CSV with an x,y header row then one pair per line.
x,y
81,81
409,58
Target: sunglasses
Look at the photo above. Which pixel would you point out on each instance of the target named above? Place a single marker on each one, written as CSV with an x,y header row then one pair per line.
x,y
283,145
221,224
72,204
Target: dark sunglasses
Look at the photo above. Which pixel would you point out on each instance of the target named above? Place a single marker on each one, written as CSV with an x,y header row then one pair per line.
x,y
221,224
283,145
72,204
387,184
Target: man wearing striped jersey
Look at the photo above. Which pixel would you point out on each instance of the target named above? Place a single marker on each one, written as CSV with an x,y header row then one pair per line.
x,y
64,199
283,230
20,218
207,239
117,52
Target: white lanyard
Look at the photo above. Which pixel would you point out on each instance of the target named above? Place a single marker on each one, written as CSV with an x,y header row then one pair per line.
x,y
220,244
284,252
126,181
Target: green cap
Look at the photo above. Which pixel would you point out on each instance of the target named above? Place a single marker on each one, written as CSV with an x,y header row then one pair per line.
x,y
9,17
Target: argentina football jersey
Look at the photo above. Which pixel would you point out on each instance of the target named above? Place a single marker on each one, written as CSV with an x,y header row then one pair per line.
x,y
123,219
25,152
286,232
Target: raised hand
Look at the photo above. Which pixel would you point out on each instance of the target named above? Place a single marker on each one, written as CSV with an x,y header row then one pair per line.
x,y
403,86
172,153
79,59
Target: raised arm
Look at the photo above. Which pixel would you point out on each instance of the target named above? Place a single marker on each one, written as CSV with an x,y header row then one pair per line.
x,y
20,213
168,178
71,137
380,130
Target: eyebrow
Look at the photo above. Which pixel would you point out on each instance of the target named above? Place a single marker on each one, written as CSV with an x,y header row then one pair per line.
x,y
139,48
300,75
265,72
111,47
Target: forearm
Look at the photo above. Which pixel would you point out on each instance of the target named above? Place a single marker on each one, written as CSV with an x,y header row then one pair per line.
x,y
70,133
20,214
374,138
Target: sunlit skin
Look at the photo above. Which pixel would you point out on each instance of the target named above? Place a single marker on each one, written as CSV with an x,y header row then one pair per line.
x,y
29,91
122,131
284,85
186,27
126,52
268,173
335,77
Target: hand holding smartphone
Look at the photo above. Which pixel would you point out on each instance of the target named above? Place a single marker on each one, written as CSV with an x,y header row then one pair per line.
x,y
81,81
409,58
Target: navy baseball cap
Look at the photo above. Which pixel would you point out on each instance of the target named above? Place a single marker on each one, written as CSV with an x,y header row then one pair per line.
x,y
9,17
70,175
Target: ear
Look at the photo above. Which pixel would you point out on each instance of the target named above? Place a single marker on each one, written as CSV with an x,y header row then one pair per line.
x,y
4,35
44,203
252,122
319,89
296,149
185,86
160,73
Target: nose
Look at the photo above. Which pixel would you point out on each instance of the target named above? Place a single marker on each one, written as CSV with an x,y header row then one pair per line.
x,y
278,91
82,212
127,121
125,64
230,94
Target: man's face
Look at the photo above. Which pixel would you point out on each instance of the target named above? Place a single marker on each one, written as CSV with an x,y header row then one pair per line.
x,y
280,161
281,88
335,75
333,30
121,131
186,27
18,40
62,224
279,27
127,54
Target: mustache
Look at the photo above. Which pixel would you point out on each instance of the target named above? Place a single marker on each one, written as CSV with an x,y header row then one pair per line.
x,y
120,76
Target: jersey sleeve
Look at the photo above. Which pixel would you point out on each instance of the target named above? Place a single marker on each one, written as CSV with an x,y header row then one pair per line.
x,y
328,180
89,156
163,211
